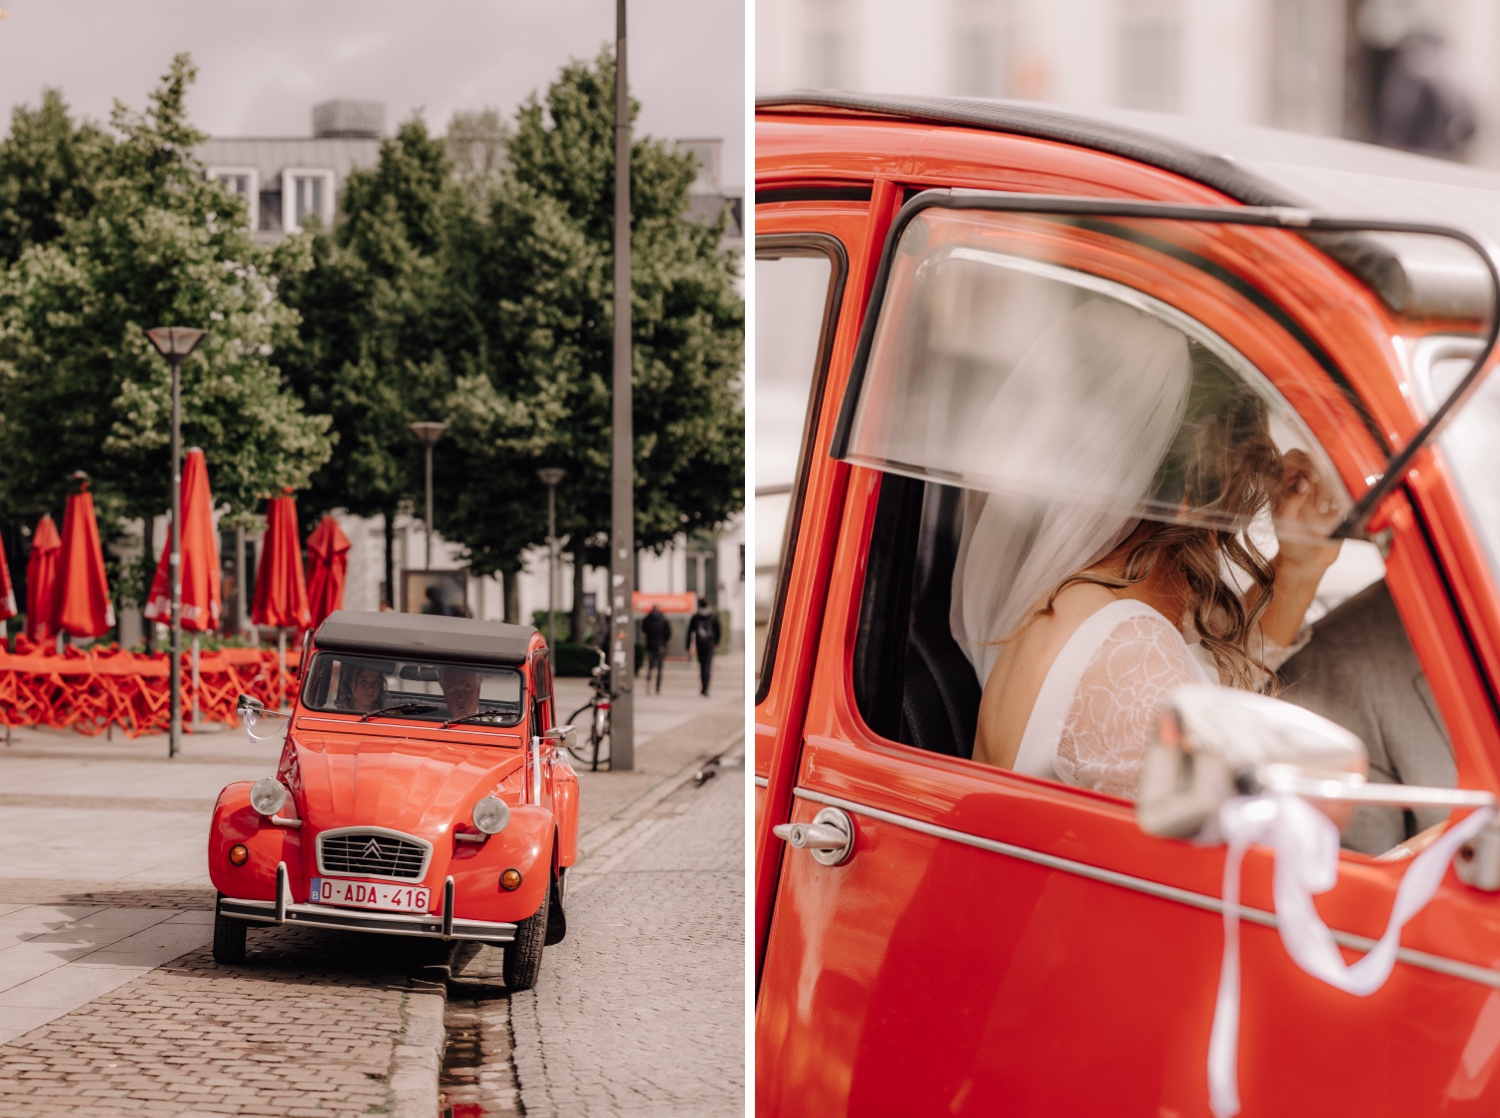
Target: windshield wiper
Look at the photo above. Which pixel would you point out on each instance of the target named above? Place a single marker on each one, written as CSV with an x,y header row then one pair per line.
x,y
476,716
400,708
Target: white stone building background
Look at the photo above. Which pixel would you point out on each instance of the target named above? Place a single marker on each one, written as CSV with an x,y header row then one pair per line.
x,y
1292,64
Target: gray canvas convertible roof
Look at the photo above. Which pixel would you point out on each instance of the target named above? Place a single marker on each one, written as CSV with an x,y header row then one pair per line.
x,y
421,636
1260,167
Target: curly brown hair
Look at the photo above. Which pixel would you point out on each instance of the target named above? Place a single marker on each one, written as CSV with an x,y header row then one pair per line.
x,y
1222,470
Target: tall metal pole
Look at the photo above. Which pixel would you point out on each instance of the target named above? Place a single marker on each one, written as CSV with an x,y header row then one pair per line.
x,y
429,507
552,569
622,503
174,553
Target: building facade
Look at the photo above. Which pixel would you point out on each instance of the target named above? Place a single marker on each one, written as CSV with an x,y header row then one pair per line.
x,y
1322,66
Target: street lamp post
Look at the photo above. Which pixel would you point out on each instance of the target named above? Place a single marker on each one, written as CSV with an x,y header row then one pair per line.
x,y
550,476
622,458
176,343
428,435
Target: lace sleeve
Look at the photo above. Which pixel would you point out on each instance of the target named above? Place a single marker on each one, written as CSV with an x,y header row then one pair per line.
x,y
1114,711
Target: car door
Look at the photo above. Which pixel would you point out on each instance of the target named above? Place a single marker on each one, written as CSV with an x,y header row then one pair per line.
x,y
999,943
813,251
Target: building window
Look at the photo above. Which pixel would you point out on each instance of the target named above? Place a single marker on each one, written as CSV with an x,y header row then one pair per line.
x,y
306,194
242,181
1151,55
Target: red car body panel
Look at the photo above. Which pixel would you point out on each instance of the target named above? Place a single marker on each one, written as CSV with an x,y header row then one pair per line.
x,y
418,779
928,975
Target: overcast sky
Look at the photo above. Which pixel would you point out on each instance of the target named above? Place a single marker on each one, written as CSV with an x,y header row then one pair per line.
x,y
263,64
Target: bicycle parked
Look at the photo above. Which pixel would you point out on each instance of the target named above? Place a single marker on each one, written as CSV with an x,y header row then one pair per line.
x,y
596,751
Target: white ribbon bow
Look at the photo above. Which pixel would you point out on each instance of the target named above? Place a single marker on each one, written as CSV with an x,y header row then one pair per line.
x,y
1306,845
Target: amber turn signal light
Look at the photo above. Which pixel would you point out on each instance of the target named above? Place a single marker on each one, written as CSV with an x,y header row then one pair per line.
x,y
510,880
239,854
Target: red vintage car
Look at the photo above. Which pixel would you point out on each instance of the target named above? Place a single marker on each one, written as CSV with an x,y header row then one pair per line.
x,y
423,790
936,935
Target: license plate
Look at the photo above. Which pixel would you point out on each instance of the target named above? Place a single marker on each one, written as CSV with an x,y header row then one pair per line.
x,y
370,894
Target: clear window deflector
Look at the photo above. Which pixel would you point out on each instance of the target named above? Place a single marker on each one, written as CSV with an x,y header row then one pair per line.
x,y
1077,356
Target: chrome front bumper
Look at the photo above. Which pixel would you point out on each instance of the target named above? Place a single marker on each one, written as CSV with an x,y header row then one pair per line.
x,y
444,926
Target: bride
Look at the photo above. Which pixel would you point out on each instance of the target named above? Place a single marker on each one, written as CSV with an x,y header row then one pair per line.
x,y
1080,620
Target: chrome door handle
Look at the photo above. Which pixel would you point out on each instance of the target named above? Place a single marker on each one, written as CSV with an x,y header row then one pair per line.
x,y
829,837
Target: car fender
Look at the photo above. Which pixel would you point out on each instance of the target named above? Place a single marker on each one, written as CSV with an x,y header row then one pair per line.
x,y
235,822
526,844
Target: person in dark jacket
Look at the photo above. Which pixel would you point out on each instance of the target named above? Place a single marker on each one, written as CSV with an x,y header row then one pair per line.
x,y
703,634
657,631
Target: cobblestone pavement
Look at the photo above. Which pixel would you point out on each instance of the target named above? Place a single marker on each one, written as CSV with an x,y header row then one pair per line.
x,y
110,1003
641,1010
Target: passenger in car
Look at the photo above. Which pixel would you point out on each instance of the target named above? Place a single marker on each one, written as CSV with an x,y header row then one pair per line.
x,y
1359,670
364,690
1078,667
460,691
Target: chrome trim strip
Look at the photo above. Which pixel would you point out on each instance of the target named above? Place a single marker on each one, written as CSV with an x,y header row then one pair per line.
x,y
762,781
388,833
448,908
1442,965
385,923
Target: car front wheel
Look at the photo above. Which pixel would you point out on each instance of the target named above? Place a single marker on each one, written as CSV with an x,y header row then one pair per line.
x,y
229,940
523,955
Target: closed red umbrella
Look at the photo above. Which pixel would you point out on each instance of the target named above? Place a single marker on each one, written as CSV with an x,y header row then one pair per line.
x,y
41,579
280,589
327,568
200,556
7,591
80,602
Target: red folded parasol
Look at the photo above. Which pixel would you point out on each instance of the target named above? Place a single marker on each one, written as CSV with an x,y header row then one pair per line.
x,y
327,568
200,556
41,579
80,602
7,591
280,589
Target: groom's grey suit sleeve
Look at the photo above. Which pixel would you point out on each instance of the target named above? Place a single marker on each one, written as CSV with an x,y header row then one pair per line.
x,y
1360,671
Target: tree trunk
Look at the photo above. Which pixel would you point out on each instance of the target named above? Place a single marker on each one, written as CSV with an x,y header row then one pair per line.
x,y
390,561
577,634
511,582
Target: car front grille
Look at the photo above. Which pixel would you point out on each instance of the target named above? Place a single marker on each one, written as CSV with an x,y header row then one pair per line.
x,y
366,852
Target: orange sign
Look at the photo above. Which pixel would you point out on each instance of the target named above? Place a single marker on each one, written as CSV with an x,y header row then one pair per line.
x,y
667,603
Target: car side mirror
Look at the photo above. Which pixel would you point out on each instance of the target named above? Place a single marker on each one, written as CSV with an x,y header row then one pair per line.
x,y
564,736
1215,742
249,705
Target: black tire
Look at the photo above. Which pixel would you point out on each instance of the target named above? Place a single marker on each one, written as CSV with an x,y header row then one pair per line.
x,y
523,955
229,940
599,738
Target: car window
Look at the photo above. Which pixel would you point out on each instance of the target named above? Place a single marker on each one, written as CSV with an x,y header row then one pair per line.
x,y
798,286
417,690
1030,421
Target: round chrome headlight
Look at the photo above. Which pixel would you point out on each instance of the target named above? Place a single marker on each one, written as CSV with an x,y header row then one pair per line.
x,y
491,815
267,795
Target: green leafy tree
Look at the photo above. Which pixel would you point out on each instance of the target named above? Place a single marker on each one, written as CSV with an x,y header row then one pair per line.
x,y
380,326
540,281
144,241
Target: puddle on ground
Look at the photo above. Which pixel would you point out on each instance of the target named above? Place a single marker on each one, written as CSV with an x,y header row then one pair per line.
x,y
477,1079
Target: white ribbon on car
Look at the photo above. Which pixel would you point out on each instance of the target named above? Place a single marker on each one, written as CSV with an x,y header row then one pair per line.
x,y
250,721
1306,846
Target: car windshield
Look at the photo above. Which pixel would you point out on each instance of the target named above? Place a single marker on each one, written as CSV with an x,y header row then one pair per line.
x,y
416,690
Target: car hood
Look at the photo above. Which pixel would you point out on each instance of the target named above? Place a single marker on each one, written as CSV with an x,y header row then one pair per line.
x,y
420,787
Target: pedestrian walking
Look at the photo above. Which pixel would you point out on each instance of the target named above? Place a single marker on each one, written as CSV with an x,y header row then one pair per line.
x,y
658,631
703,634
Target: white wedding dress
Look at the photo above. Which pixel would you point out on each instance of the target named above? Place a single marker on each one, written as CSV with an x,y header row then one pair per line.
x,y
1098,705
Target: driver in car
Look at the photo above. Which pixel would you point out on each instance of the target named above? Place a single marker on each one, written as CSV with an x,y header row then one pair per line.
x,y
460,691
